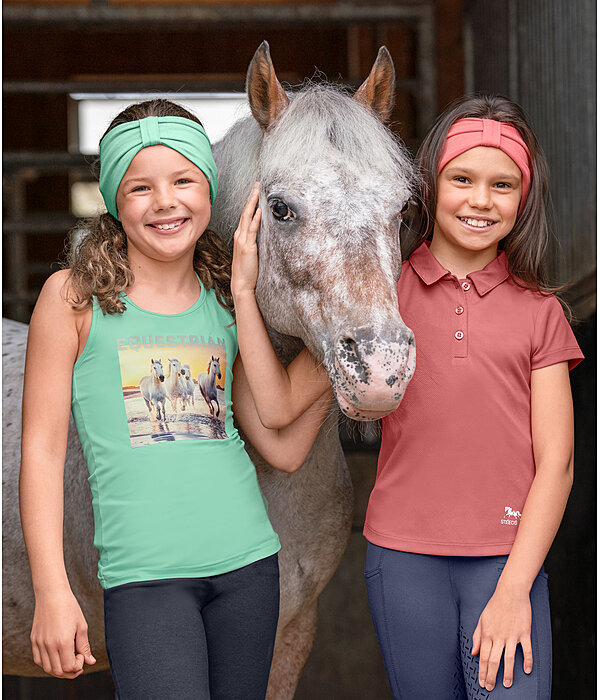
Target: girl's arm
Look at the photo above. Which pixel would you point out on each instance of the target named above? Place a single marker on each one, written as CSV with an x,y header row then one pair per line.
x,y
506,620
59,637
290,390
285,448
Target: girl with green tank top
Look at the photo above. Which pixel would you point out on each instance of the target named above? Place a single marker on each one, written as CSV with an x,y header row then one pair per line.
x,y
140,335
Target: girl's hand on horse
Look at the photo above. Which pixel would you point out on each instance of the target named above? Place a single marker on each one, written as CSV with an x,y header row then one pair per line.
x,y
59,638
244,266
504,623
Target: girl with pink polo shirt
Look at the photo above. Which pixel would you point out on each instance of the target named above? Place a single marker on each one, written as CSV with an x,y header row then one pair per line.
x,y
476,464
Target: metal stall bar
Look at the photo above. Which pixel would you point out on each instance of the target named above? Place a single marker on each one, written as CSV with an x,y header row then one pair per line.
x,y
108,16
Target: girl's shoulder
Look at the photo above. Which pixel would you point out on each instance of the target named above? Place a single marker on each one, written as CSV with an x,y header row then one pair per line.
x,y
55,306
544,314
57,290
533,298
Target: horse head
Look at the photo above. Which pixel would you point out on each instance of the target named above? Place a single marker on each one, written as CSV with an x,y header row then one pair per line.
x,y
214,365
156,369
333,183
175,365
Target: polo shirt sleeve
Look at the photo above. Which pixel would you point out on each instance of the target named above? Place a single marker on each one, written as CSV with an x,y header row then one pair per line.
x,y
553,339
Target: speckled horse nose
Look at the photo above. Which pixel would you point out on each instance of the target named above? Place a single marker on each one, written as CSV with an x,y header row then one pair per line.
x,y
373,368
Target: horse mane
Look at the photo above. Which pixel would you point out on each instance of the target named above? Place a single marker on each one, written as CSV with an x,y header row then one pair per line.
x,y
320,117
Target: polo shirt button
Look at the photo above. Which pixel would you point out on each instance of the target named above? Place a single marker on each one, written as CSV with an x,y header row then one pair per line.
x,y
466,286
459,310
459,335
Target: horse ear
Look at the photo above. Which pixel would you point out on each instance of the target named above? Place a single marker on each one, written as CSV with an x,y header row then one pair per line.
x,y
378,90
266,96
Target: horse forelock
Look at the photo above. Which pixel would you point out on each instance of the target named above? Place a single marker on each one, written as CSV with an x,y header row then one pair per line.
x,y
323,122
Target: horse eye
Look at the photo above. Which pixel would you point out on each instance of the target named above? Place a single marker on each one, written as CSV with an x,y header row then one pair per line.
x,y
405,208
281,211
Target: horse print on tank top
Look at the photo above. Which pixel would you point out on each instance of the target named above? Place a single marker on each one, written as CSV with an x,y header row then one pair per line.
x,y
173,387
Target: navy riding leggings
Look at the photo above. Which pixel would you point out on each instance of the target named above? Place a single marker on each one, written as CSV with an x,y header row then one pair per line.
x,y
194,638
426,608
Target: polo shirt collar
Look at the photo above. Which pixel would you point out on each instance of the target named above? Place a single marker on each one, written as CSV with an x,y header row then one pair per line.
x,y
426,266
493,274
430,270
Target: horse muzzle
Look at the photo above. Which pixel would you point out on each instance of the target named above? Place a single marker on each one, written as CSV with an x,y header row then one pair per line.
x,y
370,371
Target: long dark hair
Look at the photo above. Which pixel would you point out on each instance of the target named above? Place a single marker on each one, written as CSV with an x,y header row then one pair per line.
x,y
97,255
526,243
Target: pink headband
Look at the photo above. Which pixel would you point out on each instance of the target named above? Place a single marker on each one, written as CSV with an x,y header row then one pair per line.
x,y
469,133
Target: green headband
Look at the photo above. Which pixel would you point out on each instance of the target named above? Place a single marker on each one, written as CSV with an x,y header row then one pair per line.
x,y
119,146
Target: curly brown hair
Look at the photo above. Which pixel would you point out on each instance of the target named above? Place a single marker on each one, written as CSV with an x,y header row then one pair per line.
x,y
97,253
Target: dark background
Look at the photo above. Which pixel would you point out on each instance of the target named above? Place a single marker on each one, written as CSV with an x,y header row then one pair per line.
x,y
538,52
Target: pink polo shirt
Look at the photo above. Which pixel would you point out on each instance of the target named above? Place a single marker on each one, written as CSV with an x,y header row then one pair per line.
x,y
456,460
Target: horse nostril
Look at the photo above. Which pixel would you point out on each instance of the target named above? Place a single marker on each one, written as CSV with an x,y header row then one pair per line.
x,y
348,345
348,354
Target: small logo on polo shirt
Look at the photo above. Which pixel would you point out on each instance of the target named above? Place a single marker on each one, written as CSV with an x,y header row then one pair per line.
x,y
511,517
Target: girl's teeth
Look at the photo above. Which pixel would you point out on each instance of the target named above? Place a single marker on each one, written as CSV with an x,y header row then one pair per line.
x,y
166,227
476,222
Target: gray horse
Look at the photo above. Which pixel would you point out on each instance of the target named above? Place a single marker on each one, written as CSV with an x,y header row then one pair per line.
x,y
333,183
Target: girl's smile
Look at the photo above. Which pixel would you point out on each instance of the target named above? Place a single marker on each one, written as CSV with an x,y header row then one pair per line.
x,y
163,203
474,222
478,196
168,226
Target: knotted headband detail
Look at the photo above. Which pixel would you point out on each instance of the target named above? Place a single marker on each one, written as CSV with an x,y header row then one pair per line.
x,y
469,133
120,145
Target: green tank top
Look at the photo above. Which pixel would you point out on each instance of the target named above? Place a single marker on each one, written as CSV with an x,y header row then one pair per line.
x,y
174,492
